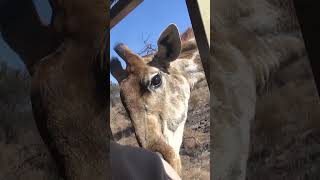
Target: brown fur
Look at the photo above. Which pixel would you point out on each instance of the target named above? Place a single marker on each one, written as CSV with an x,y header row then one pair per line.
x,y
68,94
251,40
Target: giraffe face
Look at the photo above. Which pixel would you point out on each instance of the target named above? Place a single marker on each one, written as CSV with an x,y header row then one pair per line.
x,y
157,102
155,94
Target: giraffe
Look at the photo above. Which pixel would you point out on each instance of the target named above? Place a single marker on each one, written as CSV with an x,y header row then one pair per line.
x,y
68,92
155,90
250,41
248,46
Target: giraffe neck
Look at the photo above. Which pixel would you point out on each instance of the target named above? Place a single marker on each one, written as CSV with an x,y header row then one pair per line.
x,y
189,63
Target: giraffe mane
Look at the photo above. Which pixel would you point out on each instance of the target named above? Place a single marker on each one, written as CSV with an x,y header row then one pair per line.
x,y
187,35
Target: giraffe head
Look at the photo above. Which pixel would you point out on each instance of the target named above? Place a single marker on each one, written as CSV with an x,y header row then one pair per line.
x,y
155,91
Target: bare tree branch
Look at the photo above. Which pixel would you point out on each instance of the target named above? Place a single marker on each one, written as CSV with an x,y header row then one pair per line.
x,y
148,48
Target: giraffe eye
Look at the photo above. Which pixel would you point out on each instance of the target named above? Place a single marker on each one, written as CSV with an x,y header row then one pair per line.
x,y
156,81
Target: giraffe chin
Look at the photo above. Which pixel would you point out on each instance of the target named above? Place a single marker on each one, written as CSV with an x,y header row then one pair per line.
x,y
167,153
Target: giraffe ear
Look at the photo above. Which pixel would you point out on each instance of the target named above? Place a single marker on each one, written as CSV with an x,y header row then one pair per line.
x,y
169,45
116,69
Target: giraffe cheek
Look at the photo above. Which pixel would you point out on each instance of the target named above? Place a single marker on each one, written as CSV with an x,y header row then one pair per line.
x,y
153,128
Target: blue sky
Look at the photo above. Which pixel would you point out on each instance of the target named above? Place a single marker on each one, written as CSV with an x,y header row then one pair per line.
x,y
148,20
